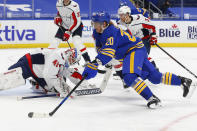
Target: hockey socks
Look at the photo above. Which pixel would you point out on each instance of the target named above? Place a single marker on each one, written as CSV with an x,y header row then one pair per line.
x,y
170,79
142,89
138,85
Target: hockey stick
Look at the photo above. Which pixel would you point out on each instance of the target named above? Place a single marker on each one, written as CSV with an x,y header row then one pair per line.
x,y
40,96
175,60
92,91
100,89
66,40
42,115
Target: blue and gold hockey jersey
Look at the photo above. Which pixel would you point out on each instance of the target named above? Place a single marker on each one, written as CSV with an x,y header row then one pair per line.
x,y
115,43
142,11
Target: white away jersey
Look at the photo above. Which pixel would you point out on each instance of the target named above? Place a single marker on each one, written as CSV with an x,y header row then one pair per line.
x,y
70,15
52,67
137,26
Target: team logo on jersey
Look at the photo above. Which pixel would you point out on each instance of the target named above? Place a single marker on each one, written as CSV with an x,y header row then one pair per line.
x,y
172,31
10,33
192,33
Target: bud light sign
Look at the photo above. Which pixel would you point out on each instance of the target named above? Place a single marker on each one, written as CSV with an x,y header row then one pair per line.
x,y
171,32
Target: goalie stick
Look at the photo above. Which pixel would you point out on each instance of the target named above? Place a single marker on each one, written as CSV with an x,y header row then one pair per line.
x,y
36,96
92,91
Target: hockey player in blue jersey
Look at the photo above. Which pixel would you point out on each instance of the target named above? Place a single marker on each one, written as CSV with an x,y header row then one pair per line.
x,y
115,43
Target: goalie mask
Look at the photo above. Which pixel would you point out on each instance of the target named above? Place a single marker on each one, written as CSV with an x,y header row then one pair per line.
x,y
71,56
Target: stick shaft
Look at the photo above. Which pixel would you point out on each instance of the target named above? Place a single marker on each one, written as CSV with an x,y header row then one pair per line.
x,y
67,40
51,113
46,95
175,60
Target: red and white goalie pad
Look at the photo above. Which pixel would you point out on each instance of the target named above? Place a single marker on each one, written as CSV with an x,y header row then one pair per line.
x,y
11,79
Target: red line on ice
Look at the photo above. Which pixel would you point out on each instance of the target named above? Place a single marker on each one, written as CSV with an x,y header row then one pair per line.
x,y
177,121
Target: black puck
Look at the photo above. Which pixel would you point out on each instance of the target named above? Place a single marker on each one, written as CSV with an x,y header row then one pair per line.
x,y
30,114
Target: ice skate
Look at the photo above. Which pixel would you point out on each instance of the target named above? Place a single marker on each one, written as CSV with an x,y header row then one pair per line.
x,y
154,102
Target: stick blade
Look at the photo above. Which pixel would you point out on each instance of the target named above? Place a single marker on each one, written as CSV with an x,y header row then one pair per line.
x,y
38,115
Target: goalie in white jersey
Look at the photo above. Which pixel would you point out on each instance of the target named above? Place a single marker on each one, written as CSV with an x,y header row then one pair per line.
x,y
49,69
69,21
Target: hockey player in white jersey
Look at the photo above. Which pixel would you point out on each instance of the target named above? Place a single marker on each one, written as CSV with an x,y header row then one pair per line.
x,y
69,21
49,69
137,25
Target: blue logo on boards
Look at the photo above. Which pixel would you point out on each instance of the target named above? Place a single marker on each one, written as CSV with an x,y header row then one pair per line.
x,y
10,33
192,33
173,31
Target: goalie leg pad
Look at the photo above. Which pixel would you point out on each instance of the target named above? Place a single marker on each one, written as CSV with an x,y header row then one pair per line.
x,y
11,79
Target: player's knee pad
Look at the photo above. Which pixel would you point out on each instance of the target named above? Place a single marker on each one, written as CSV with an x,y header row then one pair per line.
x,y
155,77
12,78
129,78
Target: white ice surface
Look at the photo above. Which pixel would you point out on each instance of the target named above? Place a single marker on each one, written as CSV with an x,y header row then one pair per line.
x,y
116,109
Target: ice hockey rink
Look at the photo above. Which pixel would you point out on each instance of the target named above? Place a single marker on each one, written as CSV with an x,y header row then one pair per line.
x,y
116,109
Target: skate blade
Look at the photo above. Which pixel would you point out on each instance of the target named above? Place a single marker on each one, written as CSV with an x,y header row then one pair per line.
x,y
155,106
191,90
